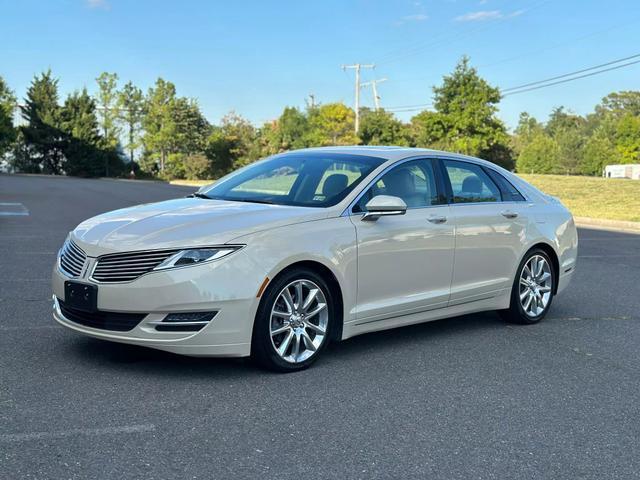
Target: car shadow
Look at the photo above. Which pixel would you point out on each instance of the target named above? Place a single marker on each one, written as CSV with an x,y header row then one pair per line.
x,y
423,333
138,359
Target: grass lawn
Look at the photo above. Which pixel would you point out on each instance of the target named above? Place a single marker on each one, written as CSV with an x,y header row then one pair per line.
x,y
595,197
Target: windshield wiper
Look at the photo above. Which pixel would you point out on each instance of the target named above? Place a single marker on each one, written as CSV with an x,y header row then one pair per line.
x,y
252,200
199,195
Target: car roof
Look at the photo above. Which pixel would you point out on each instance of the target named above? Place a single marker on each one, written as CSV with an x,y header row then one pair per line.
x,y
390,152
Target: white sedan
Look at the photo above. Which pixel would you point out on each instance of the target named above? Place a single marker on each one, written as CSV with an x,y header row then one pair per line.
x,y
279,258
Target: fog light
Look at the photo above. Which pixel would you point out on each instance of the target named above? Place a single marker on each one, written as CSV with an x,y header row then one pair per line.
x,y
189,317
184,322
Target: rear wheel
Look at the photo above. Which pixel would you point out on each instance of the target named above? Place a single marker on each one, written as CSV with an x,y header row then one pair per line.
x,y
532,291
293,321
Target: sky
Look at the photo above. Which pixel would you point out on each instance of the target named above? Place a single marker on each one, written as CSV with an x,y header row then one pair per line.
x,y
256,57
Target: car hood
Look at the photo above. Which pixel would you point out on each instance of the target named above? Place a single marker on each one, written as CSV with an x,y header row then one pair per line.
x,y
185,222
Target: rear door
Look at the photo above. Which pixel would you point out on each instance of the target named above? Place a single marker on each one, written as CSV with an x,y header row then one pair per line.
x,y
490,232
405,262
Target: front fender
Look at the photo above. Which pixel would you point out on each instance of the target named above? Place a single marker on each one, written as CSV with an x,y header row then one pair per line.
x,y
330,242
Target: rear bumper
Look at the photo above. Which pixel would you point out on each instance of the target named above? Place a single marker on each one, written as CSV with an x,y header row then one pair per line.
x,y
565,279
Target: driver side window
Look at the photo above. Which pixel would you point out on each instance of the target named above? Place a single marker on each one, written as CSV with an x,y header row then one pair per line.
x,y
414,182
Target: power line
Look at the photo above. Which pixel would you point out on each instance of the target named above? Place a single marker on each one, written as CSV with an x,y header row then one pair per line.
x,y
572,79
419,106
507,90
539,84
450,37
555,46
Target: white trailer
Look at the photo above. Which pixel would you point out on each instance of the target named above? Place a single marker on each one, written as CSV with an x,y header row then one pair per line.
x,y
631,170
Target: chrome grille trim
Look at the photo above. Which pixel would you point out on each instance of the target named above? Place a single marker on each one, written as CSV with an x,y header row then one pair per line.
x,y
126,267
72,259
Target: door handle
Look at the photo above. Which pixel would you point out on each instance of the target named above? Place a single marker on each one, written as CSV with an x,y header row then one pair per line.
x,y
509,214
437,219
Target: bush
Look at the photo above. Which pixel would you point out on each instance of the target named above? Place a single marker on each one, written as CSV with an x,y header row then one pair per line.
x,y
197,167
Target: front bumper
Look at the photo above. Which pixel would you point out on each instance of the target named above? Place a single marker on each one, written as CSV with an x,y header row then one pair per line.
x,y
227,288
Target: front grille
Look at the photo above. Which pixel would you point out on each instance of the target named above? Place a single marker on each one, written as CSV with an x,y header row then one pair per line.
x,y
72,259
124,267
119,322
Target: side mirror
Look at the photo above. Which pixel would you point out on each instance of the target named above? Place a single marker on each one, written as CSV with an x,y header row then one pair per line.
x,y
383,205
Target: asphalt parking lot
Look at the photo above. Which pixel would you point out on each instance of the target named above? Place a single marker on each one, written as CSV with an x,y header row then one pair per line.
x,y
470,397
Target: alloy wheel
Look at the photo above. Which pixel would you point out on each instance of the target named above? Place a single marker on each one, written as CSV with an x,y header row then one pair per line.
x,y
298,321
536,281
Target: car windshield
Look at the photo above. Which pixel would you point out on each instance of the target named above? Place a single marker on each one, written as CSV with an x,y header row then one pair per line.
x,y
309,179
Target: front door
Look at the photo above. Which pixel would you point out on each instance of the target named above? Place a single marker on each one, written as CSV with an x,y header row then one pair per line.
x,y
404,262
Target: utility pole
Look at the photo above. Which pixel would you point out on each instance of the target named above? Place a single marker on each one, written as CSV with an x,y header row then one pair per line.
x,y
374,87
357,67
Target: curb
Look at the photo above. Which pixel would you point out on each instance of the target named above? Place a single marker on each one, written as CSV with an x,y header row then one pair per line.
x,y
601,224
189,183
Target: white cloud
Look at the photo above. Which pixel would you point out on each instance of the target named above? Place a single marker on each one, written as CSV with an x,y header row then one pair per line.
x,y
483,15
418,17
102,4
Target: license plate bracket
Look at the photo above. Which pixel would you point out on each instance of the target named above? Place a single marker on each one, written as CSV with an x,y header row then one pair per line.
x,y
81,296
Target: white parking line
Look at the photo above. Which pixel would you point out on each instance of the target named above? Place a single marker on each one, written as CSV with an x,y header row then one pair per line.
x,y
631,255
34,327
13,209
25,437
25,280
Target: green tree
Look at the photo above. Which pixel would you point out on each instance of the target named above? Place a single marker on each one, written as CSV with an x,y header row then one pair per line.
x,y
378,127
43,137
540,155
628,139
332,124
570,143
289,131
621,103
158,123
197,167
465,120
219,152
191,128
7,106
527,128
562,120
83,156
22,157
429,130
232,145
598,152
107,98
131,112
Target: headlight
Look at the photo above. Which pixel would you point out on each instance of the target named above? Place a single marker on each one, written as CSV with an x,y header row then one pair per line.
x,y
196,255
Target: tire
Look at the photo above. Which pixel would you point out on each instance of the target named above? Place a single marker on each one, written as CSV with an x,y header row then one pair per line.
x,y
282,324
531,299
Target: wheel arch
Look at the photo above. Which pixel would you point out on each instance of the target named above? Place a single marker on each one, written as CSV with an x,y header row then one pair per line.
x,y
332,281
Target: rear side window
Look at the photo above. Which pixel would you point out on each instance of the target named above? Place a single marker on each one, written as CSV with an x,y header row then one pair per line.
x,y
509,192
470,183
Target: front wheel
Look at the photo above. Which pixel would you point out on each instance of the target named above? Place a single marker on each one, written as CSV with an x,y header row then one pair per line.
x,y
293,321
532,291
